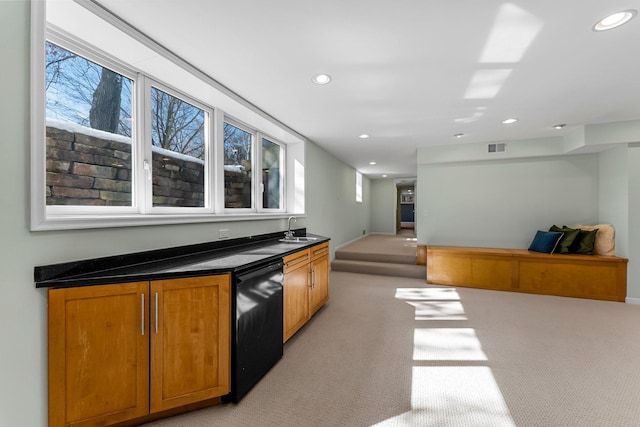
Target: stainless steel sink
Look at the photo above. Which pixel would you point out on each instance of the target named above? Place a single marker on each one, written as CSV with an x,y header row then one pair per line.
x,y
298,239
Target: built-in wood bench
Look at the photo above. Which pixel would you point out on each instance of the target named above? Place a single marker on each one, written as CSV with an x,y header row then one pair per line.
x,y
581,276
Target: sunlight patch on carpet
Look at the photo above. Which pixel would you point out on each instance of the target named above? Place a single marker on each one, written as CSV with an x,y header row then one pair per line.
x,y
453,396
438,310
447,344
427,294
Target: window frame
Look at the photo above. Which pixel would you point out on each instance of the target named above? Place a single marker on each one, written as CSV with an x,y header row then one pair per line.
x,y
282,184
209,165
254,137
177,74
60,211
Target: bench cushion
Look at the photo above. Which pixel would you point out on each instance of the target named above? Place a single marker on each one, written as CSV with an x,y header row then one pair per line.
x,y
545,241
605,238
569,236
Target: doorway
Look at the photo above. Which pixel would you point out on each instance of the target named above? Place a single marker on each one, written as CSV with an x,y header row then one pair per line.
x,y
405,206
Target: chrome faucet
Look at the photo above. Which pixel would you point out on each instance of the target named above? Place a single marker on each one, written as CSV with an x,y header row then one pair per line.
x,y
289,234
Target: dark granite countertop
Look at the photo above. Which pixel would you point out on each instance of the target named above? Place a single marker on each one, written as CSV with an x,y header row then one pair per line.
x,y
203,259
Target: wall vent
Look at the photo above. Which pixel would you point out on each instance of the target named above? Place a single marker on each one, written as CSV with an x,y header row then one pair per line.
x,y
500,147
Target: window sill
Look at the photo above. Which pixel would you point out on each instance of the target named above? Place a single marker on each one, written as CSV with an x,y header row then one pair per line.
x,y
95,221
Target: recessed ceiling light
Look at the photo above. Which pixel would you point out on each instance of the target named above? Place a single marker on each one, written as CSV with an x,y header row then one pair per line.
x,y
559,126
614,20
509,121
364,136
384,176
372,163
321,79
459,135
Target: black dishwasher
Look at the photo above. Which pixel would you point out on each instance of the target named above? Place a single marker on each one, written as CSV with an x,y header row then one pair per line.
x,y
256,329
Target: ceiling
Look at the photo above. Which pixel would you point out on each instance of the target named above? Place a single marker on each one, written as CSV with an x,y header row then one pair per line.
x,y
411,73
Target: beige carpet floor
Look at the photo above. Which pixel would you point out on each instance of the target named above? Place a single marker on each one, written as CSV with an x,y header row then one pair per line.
x,y
399,248
382,255
395,352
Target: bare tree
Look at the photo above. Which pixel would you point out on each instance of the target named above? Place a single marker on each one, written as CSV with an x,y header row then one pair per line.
x,y
177,125
237,145
83,92
105,104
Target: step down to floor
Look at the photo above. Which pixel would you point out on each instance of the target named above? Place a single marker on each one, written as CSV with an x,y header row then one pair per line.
x,y
380,268
376,257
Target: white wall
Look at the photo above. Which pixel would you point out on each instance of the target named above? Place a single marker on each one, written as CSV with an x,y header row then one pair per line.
x,y
383,206
331,198
614,195
633,269
502,203
330,205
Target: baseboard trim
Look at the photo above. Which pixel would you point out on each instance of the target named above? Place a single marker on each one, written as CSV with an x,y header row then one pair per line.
x,y
363,236
351,241
629,300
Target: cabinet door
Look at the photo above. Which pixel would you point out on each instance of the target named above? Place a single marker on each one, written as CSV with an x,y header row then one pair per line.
x,y
319,292
190,340
98,354
295,300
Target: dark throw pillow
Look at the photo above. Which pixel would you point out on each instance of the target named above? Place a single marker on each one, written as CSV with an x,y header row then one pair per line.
x,y
583,244
570,235
545,241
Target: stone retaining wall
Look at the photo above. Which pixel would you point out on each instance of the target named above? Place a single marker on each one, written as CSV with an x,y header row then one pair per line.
x,y
86,170
237,191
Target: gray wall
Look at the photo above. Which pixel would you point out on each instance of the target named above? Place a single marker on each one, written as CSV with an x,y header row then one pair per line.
x,y
613,195
502,203
633,270
383,206
330,205
331,198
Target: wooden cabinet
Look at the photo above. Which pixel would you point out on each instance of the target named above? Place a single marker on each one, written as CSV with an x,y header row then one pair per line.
x,y
295,292
306,286
519,270
98,354
190,340
319,286
121,352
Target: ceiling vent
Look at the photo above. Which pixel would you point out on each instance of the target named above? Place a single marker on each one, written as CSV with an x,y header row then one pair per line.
x,y
500,147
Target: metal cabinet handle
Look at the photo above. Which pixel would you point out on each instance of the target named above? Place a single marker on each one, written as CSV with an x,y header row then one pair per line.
x,y
297,261
319,251
142,314
156,316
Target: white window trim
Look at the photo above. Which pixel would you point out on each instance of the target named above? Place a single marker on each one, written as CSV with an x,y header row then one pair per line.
x,y
283,172
41,220
148,147
58,37
254,159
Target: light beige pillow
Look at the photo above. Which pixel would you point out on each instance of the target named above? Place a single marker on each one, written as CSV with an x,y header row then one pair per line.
x,y
605,238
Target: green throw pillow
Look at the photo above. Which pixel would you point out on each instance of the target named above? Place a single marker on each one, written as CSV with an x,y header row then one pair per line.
x,y
584,242
569,236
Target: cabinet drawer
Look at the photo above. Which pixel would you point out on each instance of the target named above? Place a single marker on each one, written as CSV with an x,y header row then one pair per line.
x,y
296,260
319,250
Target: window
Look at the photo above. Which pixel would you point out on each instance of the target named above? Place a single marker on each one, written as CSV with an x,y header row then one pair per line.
x,y
179,149
113,146
358,187
238,146
271,175
88,132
